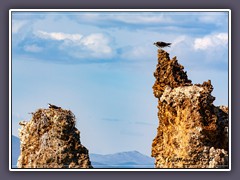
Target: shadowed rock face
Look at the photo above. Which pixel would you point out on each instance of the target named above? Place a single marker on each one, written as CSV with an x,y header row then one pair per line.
x,y
51,140
192,132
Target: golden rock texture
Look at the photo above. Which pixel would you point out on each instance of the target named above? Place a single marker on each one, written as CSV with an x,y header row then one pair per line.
x,y
51,140
192,132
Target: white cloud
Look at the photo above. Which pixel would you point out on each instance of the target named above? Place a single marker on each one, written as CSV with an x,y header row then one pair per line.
x,y
211,41
17,25
32,48
77,45
59,36
97,43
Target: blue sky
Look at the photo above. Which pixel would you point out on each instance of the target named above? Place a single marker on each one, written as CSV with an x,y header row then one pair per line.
x,y
100,65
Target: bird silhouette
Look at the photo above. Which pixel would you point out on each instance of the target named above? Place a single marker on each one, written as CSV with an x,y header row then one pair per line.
x,y
161,44
53,106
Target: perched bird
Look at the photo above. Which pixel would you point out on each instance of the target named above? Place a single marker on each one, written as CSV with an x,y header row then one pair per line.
x,y
22,123
53,106
161,44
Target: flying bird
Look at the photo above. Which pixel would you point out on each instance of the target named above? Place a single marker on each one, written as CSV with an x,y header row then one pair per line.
x,y
161,44
53,106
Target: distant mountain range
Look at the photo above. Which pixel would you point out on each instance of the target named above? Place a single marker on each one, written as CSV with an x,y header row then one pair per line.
x,y
129,159
15,150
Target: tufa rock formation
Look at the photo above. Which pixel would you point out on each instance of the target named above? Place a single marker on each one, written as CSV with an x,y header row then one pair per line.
x,y
192,132
51,140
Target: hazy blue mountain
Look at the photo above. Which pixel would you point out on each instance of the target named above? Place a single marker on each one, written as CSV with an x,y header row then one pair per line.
x,y
130,159
15,150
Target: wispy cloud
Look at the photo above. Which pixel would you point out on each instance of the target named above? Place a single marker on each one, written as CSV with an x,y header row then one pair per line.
x,y
33,48
142,18
17,25
220,39
178,40
217,18
59,36
127,17
136,53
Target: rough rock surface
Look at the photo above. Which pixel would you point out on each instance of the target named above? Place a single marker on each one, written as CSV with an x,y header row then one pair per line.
x,y
51,140
192,132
